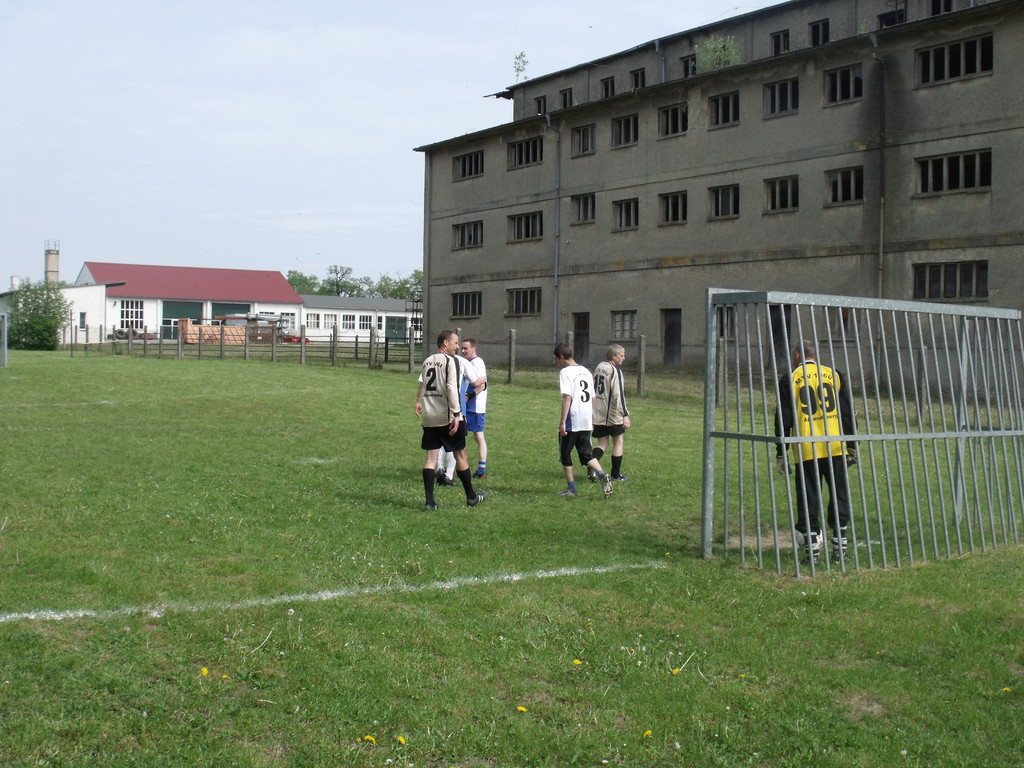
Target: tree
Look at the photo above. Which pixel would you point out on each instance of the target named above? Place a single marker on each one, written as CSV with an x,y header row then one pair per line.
x,y
339,282
717,52
303,283
37,312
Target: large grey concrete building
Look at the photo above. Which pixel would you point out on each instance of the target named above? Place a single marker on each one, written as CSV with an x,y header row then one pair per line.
x,y
859,147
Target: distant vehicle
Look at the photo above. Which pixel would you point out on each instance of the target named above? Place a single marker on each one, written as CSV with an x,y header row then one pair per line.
x,y
294,338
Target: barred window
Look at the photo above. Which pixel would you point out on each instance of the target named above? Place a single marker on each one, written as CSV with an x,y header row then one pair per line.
x,y
673,121
467,166
955,61
624,324
689,65
638,79
527,152
584,209
724,202
845,84
526,226
781,98
583,140
625,130
524,301
951,280
672,208
467,235
782,194
467,304
607,87
541,105
819,32
565,97
845,185
955,173
626,213
780,42
724,109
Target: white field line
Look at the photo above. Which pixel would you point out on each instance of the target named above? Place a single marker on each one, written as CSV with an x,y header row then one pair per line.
x,y
318,597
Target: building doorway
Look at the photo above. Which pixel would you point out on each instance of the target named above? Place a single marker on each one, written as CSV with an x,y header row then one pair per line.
x,y
671,336
581,337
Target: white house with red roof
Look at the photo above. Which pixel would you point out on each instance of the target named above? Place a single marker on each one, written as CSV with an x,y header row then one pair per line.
x,y
144,298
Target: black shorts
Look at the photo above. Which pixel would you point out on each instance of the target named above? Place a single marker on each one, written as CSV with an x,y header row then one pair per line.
x,y
438,437
578,440
609,430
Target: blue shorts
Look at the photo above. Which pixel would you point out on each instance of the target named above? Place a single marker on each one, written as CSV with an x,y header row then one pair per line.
x,y
475,421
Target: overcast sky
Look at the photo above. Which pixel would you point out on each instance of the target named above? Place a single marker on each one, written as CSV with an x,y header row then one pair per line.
x,y
264,134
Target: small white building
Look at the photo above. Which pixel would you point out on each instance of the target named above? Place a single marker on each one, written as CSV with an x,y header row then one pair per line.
x,y
354,317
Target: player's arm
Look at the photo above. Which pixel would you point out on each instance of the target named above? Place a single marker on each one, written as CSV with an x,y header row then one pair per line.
x,y
419,400
566,403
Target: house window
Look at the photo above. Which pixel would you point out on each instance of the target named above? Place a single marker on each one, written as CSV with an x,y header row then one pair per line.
x,y
964,58
672,208
951,280
638,78
844,84
348,322
525,226
607,87
845,185
625,130
81,321
467,304
780,42
819,32
541,104
468,166
892,18
624,324
724,109
313,320
330,321
781,98
782,194
380,322
626,213
939,7
673,121
583,140
724,202
365,322
468,235
583,209
527,152
689,65
955,173
565,98
132,314
524,301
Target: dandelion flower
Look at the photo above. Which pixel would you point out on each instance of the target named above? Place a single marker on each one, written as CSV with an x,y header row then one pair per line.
x,y
676,671
223,677
370,739
576,661
521,708
1007,690
401,740
204,671
647,734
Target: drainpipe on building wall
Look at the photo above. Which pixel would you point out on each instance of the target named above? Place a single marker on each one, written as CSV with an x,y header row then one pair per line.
x,y
661,55
881,173
558,228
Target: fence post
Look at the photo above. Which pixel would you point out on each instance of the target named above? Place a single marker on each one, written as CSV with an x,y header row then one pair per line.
x,y
511,355
334,345
222,340
181,342
371,347
641,373
412,348
302,344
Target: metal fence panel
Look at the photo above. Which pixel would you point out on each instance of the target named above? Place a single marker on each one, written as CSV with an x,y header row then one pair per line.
x,y
937,400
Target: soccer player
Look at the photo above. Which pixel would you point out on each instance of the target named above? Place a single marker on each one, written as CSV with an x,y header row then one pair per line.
x,y
815,401
577,388
475,371
611,416
440,412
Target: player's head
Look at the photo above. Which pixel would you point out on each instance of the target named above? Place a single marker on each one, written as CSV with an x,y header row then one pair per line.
x,y
615,354
803,352
469,348
447,341
563,353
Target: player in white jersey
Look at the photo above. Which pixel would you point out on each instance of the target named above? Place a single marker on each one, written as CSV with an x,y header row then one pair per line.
x,y
475,372
439,408
577,388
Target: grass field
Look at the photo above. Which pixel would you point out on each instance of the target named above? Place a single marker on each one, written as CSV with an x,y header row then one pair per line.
x,y
226,563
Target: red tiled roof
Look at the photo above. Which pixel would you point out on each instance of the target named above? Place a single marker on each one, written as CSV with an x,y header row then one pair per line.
x,y
143,281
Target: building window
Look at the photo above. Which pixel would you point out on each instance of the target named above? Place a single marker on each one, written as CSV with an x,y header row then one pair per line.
x,y
782,98
565,98
467,304
638,79
380,322
525,226
672,208
782,194
132,314
625,130
726,322
780,42
607,87
584,209
348,322
892,18
365,322
288,320
524,301
955,173
951,280
939,7
330,321
819,32
626,213
724,202
541,105
844,84
81,321
313,320
468,166
468,235
624,324
523,153
724,109
964,58
689,65
584,140
845,185
674,120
